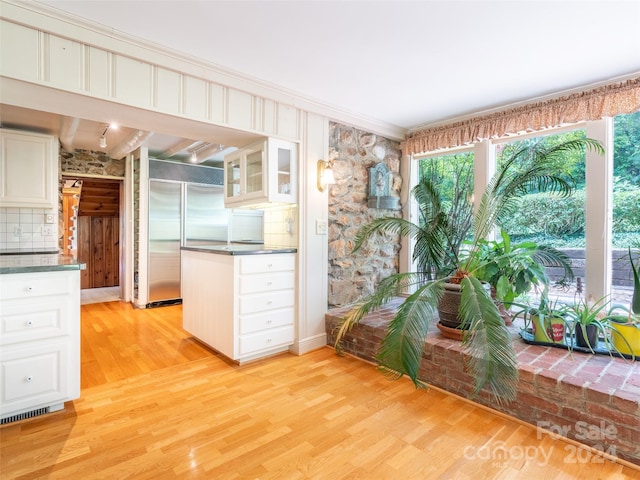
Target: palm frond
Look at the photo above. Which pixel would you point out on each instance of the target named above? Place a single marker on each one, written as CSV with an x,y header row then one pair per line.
x,y
401,349
552,257
389,288
391,225
492,362
536,172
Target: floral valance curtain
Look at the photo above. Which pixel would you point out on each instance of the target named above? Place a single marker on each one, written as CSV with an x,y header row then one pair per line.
x,y
605,101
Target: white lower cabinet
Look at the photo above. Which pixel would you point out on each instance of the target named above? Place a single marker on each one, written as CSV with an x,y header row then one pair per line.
x,y
241,305
40,339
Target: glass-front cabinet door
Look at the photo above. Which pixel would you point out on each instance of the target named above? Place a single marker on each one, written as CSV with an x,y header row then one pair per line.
x,y
261,173
282,171
232,175
254,176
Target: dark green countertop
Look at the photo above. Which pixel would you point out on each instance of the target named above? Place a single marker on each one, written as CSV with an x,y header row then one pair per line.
x,y
32,263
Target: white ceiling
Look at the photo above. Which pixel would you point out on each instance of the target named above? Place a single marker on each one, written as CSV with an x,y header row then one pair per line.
x,y
404,63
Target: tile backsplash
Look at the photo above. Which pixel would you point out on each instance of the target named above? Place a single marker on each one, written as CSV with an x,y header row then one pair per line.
x,y
27,229
281,226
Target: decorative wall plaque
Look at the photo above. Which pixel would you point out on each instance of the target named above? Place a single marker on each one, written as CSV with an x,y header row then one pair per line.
x,y
379,188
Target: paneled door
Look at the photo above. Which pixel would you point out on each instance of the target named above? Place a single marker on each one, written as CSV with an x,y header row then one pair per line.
x,y
99,249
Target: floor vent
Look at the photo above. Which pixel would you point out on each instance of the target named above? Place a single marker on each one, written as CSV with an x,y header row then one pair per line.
x,y
25,415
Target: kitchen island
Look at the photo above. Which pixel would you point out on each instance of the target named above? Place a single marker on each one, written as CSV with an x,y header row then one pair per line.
x,y
40,325
239,299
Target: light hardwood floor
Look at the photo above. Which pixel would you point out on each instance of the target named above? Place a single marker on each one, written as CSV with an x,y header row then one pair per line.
x,y
156,404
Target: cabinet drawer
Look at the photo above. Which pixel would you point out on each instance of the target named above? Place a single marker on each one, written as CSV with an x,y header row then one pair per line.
x,y
266,320
266,282
42,318
275,262
266,340
36,376
261,302
31,285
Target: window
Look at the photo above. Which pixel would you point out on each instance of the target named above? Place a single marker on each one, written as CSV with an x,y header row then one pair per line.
x,y
580,221
626,203
453,175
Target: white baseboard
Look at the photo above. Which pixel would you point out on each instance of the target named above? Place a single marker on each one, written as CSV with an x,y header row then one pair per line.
x,y
300,347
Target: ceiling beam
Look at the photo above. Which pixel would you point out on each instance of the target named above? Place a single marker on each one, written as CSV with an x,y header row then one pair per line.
x,y
133,141
68,129
185,144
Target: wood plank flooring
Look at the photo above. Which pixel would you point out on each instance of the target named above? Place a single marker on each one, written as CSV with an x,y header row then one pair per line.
x,y
156,404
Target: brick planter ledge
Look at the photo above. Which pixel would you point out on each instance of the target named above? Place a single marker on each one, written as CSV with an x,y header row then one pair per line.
x,y
594,399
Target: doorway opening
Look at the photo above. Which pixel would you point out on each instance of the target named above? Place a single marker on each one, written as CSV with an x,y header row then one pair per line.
x,y
91,223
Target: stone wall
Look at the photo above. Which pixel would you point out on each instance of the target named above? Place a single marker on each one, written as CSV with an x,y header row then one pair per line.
x,y
91,163
84,162
351,153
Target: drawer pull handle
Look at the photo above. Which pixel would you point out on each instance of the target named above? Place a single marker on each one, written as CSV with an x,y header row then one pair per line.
x,y
269,302
270,265
29,323
269,283
269,322
268,340
29,289
29,378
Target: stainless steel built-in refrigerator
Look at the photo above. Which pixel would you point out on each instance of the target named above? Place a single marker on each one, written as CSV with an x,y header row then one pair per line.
x,y
180,214
165,239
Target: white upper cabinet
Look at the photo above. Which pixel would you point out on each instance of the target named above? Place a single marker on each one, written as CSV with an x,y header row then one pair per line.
x,y
260,174
28,170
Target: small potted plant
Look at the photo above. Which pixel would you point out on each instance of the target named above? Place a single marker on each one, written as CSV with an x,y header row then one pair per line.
x,y
547,319
588,323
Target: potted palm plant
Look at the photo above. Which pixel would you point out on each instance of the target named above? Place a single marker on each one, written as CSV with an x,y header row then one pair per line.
x,y
487,340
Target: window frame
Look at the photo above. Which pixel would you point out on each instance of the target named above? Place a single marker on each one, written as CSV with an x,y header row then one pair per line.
x,y
598,188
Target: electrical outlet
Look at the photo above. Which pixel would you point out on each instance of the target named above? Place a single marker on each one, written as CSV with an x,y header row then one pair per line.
x,y
17,231
321,227
47,230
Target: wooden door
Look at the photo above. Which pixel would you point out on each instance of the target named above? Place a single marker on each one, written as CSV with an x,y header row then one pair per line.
x,y
99,233
98,248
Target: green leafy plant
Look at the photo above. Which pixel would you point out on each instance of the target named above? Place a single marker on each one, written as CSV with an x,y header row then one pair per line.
x,y
487,340
584,315
545,314
514,269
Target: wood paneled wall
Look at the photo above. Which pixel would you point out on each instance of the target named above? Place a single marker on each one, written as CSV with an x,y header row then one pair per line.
x,y
99,249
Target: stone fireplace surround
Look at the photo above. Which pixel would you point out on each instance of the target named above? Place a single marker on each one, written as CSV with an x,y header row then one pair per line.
x,y
593,399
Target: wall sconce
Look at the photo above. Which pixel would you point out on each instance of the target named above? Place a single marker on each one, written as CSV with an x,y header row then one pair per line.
x,y
325,175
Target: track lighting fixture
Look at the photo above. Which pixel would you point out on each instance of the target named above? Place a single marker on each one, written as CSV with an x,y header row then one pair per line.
x,y
103,139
